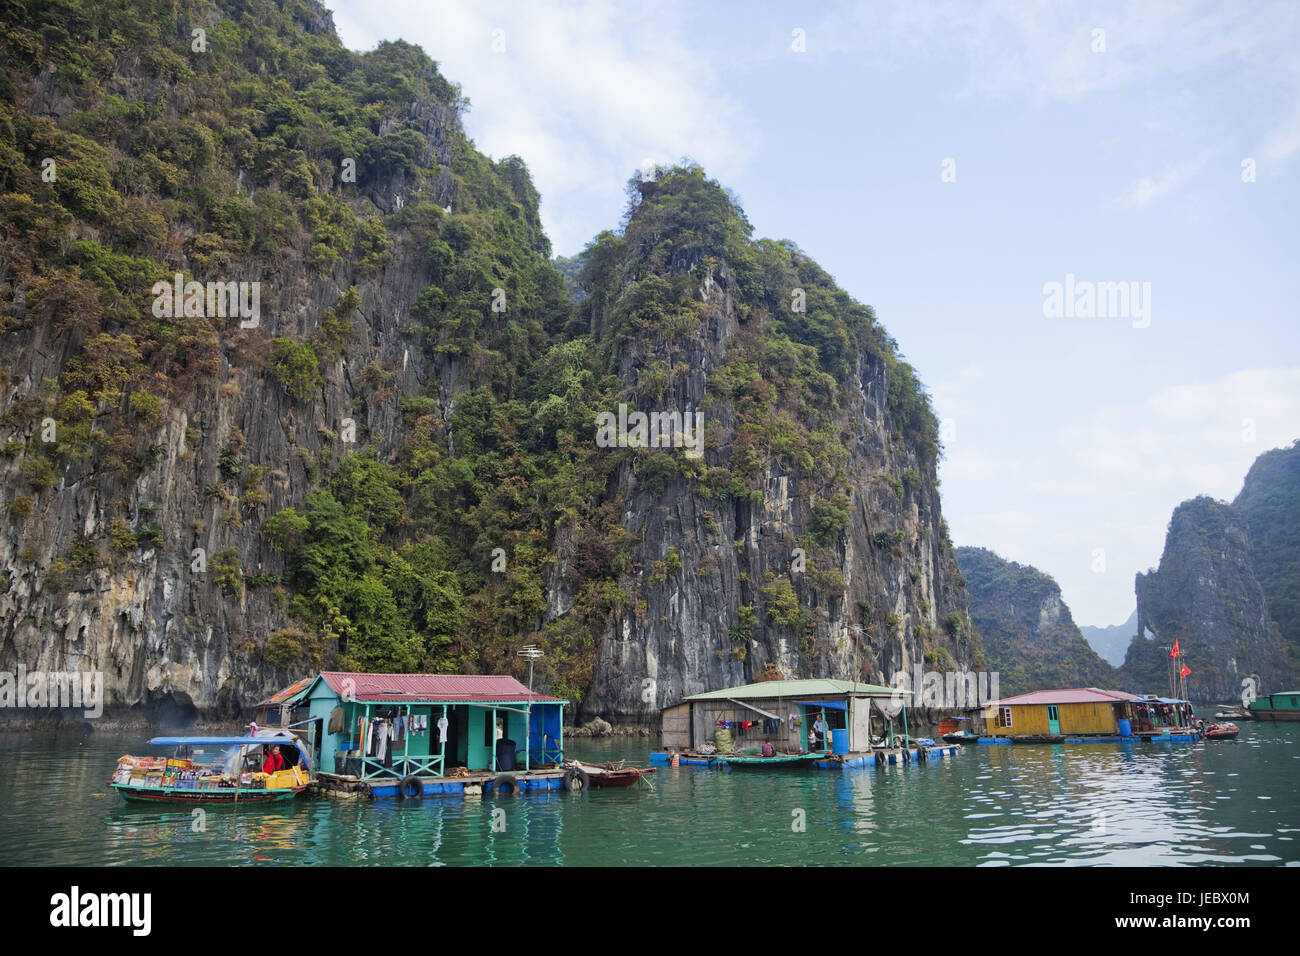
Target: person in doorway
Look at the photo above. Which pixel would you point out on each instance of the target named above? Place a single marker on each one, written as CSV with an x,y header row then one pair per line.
x,y
819,733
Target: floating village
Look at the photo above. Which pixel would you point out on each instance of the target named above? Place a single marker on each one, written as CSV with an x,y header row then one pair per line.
x,y
416,736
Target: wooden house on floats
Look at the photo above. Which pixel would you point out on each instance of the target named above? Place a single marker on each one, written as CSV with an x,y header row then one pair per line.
x,y
385,730
782,712
1053,714
286,708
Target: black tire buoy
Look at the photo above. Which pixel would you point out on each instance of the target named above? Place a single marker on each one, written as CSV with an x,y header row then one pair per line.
x,y
411,788
576,780
505,783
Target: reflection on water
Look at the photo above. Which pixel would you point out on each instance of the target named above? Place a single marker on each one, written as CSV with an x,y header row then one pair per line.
x,y
1213,802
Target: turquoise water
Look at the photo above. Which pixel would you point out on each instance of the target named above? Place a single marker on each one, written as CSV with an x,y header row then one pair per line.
x,y
1144,804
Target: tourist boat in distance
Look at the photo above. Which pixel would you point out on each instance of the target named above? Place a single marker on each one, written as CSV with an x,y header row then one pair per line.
x,y
1227,731
1282,706
211,770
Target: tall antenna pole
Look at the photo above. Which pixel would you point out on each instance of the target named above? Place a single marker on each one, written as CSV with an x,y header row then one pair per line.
x,y
532,652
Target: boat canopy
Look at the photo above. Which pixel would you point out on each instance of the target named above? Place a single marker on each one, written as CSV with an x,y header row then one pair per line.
x,y
231,758
222,741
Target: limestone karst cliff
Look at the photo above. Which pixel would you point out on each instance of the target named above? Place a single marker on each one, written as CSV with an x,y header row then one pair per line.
x,y
394,461
1207,594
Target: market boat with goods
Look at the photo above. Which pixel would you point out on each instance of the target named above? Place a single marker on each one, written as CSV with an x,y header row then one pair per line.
x,y
268,767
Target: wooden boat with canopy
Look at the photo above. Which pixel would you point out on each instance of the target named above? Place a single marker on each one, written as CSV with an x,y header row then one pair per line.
x,y
211,770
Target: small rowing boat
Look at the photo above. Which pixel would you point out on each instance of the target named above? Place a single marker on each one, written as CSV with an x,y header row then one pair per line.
x,y
1227,731
610,775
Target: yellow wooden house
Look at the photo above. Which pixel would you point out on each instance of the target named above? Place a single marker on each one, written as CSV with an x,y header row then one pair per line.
x,y
1074,712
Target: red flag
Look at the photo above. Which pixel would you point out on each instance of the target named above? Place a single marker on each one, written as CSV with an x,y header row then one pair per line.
x,y
1185,671
1174,652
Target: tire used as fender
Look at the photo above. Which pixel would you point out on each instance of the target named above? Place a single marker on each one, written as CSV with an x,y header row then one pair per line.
x,y
411,788
505,783
576,780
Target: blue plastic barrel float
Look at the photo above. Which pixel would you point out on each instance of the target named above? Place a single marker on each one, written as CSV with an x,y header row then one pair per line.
x,y
839,741
1125,727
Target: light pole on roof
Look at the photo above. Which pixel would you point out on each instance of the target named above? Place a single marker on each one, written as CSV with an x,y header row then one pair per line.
x,y
532,652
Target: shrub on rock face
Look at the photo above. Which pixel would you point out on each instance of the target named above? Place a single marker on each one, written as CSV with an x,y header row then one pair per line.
x,y
292,646
295,366
227,572
40,474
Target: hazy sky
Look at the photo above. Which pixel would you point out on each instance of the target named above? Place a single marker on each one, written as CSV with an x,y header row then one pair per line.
x,y
946,163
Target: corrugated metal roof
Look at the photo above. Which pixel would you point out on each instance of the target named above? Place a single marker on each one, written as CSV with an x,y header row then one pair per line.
x,y
1068,695
474,688
286,696
808,687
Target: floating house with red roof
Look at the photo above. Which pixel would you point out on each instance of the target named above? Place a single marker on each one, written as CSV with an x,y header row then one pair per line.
x,y
1070,712
394,727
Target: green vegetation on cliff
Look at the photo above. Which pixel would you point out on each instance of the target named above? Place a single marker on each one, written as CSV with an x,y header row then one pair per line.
x,y
132,149
1029,636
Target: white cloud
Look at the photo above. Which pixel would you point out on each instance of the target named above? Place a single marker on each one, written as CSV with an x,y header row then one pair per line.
x,y
1110,477
1148,189
1283,142
583,92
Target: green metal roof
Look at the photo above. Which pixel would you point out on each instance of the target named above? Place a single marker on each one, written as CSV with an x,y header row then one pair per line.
x,y
808,687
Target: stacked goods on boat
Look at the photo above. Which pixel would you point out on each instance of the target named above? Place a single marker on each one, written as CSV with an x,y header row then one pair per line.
x,y
184,774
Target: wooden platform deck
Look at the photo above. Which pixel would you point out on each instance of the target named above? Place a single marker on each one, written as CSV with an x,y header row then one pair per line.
x,y
476,783
826,761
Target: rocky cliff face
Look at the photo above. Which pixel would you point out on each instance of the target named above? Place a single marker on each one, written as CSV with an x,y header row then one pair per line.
x,y
397,464
143,457
1269,506
1206,594
1028,633
810,536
